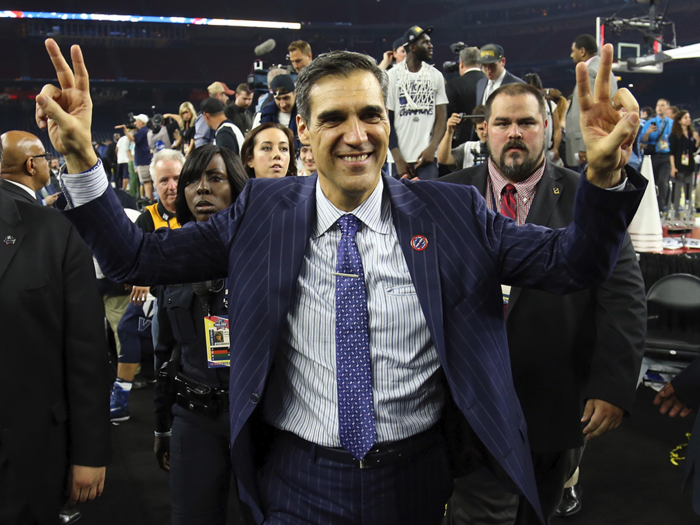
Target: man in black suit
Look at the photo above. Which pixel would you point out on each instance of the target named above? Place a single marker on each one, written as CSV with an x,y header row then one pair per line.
x,y
492,60
25,168
571,356
54,377
461,92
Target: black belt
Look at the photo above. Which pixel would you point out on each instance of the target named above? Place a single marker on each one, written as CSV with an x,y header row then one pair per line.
x,y
378,456
200,398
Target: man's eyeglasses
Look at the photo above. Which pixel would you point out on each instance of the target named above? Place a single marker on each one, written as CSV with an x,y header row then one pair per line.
x,y
46,156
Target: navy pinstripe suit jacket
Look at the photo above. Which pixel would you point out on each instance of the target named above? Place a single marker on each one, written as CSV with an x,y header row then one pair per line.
x,y
259,243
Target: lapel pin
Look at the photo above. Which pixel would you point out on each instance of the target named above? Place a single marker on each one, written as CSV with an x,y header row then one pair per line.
x,y
556,191
9,240
419,243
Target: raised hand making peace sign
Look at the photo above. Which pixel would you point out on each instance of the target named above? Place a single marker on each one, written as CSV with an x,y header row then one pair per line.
x,y
67,112
608,127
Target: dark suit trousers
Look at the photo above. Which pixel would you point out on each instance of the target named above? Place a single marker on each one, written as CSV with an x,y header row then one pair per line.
x,y
479,499
661,164
299,488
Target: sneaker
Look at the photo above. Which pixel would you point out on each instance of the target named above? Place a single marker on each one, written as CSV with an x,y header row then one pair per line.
x,y
119,404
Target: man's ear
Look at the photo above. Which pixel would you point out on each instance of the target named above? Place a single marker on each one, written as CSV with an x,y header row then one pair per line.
x,y
302,130
30,166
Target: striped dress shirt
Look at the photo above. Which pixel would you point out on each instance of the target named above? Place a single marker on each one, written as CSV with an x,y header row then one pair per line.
x,y
302,392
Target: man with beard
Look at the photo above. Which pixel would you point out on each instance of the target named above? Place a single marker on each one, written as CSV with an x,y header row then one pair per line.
x,y
571,356
417,105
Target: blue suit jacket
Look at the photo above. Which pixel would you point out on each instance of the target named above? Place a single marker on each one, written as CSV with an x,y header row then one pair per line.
x,y
259,243
481,85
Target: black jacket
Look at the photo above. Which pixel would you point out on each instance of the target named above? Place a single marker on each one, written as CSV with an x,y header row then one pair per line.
x,y
461,92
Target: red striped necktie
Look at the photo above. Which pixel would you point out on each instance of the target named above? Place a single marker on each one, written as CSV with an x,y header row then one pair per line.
x,y
509,205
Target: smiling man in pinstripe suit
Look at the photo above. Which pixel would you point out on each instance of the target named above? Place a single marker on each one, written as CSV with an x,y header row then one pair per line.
x,y
355,332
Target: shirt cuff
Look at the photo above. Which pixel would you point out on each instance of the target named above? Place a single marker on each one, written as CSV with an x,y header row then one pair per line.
x,y
620,187
82,188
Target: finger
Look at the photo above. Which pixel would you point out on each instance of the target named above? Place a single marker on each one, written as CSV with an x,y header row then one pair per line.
x,y
588,411
602,80
48,91
686,411
583,87
624,133
82,79
668,403
624,99
677,407
63,71
601,429
48,108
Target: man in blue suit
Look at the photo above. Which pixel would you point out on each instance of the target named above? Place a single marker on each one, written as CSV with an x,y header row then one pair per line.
x,y
364,310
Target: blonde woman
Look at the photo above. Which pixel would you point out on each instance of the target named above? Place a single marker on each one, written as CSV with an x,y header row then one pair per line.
x,y
184,137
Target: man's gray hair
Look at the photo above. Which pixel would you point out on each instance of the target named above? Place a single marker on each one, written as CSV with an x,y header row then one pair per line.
x,y
167,155
275,72
469,56
335,63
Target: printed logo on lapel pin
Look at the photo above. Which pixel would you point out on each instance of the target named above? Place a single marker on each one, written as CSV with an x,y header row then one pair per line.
x,y
556,191
9,240
419,243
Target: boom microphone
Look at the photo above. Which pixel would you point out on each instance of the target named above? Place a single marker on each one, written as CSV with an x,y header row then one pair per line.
x,y
265,47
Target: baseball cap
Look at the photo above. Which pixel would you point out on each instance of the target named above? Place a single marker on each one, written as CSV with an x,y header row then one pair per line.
x,y
143,118
219,87
413,33
282,82
397,43
211,106
490,53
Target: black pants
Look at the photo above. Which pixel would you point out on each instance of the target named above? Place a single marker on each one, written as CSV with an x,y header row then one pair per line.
x,y
13,506
661,165
479,499
203,490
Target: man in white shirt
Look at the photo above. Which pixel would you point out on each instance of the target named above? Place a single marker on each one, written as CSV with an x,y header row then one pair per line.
x,y
493,63
123,158
417,105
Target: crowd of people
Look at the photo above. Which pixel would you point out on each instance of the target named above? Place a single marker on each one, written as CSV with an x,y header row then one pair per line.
x,y
335,320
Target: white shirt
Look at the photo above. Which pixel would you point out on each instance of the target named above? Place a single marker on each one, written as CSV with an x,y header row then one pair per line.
x,y
123,145
414,127
493,85
302,390
25,188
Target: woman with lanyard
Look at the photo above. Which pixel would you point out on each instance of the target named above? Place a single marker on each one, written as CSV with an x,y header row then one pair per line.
x,y
682,144
192,398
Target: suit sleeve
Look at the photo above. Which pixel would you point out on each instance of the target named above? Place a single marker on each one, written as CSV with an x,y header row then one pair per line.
x,y
196,252
687,385
621,321
532,256
87,370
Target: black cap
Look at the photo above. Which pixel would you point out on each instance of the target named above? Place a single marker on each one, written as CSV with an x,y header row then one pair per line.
x,y
490,53
397,43
283,83
414,33
211,106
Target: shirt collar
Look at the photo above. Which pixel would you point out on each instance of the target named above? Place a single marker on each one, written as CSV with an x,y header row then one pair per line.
x,y
374,212
25,188
473,69
525,189
589,60
164,213
500,78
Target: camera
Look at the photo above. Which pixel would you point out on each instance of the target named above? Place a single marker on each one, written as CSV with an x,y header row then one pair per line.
x,y
452,66
481,154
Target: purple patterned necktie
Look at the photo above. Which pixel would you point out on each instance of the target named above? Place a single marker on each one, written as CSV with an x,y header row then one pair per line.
x,y
354,372
509,206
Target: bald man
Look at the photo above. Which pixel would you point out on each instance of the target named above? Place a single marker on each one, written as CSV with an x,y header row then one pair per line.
x,y
25,169
54,375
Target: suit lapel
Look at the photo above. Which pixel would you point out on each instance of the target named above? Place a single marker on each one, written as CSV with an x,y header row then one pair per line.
x,y
10,234
549,190
14,190
290,230
423,264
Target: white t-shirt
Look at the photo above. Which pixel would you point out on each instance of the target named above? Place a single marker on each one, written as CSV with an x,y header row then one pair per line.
x,y
413,98
463,154
123,150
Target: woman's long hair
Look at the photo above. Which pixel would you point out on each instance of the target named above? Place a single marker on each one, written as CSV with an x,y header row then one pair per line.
x,y
677,129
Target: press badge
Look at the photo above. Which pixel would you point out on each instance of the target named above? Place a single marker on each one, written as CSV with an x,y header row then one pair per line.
x,y
218,344
663,145
685,159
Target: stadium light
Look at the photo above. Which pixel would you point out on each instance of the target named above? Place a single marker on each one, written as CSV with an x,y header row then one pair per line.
x,y
41,15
